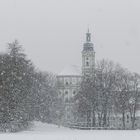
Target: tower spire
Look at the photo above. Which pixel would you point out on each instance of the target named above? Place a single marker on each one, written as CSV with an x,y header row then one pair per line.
x,y
88,56
88,36
88,30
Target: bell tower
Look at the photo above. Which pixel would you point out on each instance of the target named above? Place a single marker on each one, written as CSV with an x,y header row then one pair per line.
x,y
88,56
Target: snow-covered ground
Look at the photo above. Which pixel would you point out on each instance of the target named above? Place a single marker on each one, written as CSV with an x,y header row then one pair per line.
x,y
51,132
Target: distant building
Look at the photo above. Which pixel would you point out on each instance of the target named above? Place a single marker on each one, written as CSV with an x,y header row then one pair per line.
x,y
68,83
69,79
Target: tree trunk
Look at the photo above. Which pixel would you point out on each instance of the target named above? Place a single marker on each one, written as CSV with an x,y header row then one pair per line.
x,y
104,119
134,117
93,118
88,118
99,119
123,120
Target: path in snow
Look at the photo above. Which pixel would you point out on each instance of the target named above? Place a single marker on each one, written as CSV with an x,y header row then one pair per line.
x,y
44,131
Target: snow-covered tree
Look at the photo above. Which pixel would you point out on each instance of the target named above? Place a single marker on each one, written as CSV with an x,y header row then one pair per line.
x,y
26,94
87,99
104,87
15,83
134,97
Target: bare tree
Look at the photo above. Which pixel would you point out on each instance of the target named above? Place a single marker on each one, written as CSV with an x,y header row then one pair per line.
x,y
122,88
134,97
104,85
87,99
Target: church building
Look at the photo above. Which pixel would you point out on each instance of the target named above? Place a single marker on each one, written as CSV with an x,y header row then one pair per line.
x,y
69,79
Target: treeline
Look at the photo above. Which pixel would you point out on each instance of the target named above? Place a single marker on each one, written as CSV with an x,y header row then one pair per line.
x,y
111,93
26,94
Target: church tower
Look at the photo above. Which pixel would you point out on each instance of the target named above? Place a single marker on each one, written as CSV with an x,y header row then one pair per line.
x,y
88,56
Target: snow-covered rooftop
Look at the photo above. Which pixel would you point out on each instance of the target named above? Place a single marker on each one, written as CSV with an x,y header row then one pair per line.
x,y
70,70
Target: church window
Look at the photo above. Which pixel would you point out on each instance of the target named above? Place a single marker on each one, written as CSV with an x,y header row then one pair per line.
x,y
87,63
127,116
67,83
74,92
87,58
66,92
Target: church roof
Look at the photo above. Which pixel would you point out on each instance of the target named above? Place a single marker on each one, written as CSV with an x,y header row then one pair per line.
x,y
70,70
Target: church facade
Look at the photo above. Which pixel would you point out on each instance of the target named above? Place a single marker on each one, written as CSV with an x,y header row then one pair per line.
x,y
69,79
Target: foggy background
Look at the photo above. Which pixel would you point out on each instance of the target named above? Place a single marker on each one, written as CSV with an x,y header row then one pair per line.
x,y
52,32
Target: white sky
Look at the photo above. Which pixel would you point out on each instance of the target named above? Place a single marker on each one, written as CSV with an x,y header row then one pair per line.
x,y
52,32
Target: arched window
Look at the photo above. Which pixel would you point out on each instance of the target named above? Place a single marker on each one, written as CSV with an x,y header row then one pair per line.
x,y
74,92
67,83
127,116
66,92
87,63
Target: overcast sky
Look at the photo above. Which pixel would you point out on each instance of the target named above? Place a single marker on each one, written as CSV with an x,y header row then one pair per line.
x,y
52,32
